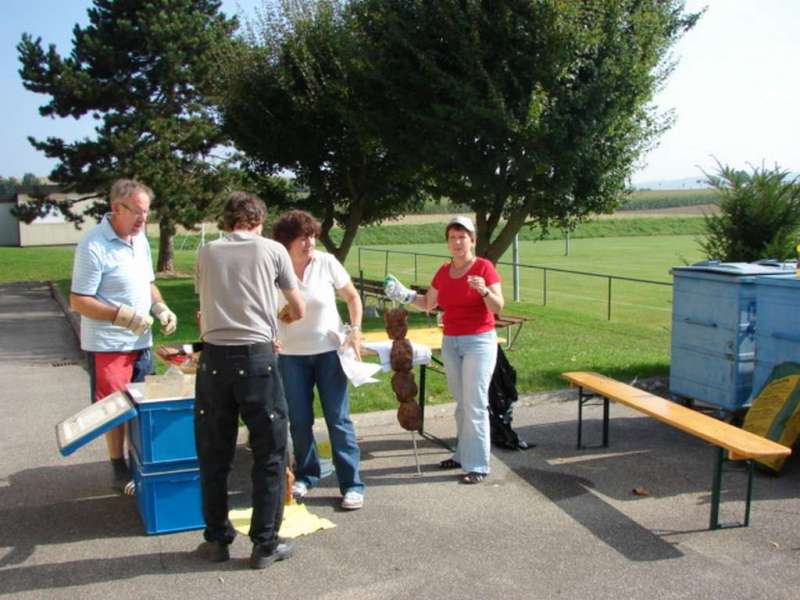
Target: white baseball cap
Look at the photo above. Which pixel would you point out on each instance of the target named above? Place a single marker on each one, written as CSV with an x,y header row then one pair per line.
x,y
464,222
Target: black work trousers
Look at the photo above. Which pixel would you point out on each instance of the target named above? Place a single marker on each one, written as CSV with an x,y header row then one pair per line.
x,y
234,380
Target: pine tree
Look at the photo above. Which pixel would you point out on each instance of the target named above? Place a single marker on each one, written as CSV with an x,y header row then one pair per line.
x,y
145,70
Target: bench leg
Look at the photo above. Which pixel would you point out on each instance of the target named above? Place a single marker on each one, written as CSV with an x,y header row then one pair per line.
x,y
580,418
716,492
584,398
517,331
511,338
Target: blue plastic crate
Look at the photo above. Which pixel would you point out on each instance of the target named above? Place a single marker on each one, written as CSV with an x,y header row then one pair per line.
x,y
160,468
168,501
163,432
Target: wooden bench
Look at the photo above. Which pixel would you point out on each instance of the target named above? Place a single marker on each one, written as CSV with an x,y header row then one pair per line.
x,y
370,287
374,288
739,444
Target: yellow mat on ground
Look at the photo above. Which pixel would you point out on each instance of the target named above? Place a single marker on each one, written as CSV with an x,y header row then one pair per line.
x,y
297,521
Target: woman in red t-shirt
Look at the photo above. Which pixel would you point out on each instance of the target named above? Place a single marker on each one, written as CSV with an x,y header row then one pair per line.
x,y
468,289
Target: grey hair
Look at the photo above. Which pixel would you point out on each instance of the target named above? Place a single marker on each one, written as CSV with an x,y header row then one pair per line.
x,y
125,188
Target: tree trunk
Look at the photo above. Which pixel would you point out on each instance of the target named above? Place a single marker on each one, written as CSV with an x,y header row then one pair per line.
x,y
166,246
350,230
494,250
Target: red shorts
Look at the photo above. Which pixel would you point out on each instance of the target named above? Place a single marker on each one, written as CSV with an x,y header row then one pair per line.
x,y
110,372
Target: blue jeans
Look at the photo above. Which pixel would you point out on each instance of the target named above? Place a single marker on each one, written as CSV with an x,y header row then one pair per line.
x,y
300,373
468,364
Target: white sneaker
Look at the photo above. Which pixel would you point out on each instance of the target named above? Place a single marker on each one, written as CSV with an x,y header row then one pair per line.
x,y
352,500
299,490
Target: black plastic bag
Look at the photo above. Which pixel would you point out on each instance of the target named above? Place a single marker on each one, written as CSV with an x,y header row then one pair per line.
x,y
502,396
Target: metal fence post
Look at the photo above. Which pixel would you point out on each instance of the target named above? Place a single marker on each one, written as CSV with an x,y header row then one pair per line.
x,y
609,298
386,264
515,267
544,287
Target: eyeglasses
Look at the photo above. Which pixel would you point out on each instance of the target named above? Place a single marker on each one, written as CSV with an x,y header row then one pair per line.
x,y
139,213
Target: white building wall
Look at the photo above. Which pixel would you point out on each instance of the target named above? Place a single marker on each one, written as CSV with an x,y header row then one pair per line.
x,y
9,233
54,229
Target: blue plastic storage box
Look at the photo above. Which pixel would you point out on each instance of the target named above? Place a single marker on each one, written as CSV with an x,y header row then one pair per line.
x,y
168,501
713,345
778,332
163,432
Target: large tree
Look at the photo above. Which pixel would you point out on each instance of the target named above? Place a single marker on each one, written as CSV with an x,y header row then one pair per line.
x,y
296,100
528,111
144,69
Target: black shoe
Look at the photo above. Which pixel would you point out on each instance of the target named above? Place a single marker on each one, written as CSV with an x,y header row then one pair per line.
x,y
260,559
214,551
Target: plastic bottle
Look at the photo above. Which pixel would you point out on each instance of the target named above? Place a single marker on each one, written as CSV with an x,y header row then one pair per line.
x,y
324,451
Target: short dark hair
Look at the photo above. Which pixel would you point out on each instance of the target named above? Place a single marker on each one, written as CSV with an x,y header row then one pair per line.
x,y
243,209
294,224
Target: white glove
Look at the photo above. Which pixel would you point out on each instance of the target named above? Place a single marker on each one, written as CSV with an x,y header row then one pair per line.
x,y
167,318
396,291
129,319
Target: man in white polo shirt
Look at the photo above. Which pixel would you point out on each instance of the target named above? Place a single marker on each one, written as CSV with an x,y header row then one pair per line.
x,y
113,291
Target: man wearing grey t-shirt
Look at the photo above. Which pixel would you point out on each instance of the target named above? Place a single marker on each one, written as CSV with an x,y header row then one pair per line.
x,y
237,279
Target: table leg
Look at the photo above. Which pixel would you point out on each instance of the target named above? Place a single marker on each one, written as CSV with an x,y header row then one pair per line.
x,y
422,373
422,394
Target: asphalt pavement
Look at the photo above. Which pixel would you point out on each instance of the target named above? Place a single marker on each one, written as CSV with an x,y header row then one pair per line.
x,y
550,522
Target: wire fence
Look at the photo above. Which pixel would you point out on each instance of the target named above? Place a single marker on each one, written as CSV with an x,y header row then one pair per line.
x,y
618,297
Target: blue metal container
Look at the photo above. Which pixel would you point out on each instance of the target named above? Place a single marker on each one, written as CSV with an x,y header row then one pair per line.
x,y
713,344
778,332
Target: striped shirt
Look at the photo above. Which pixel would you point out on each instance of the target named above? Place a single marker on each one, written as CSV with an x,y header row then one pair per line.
x,y
115,272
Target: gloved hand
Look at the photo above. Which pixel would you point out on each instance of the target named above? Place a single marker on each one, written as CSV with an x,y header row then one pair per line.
x,y
396,291
167,318
129,319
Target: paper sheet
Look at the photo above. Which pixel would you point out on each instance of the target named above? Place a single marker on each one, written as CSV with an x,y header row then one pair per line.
x,y
297,521
421,354
356,371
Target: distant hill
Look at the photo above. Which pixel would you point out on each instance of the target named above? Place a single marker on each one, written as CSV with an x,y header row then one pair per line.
x,y
687,183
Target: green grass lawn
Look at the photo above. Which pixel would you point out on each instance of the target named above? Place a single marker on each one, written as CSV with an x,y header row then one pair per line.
x,y
570,333
36,264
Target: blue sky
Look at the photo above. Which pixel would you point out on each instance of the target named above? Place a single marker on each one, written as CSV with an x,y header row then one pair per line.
x,y
734,90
